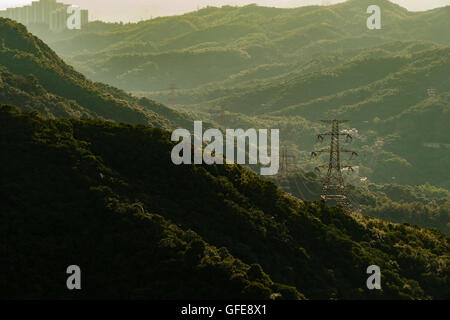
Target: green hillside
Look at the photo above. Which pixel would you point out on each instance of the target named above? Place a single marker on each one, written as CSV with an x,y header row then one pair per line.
x,y
34,77
87,176
385,98
107,197
425,206
282,68
152,55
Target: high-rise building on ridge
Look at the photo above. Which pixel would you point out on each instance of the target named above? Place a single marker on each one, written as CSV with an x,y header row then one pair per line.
x,y
43,12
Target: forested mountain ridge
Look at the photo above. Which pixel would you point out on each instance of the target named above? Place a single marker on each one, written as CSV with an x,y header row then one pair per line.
x,y
293,67
64,211
386,97
106,196
69,184
399,104
33,76
152,55
422,205
352,90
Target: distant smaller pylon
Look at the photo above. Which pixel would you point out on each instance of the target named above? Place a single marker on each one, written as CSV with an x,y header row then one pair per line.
x,y
431,93
287,161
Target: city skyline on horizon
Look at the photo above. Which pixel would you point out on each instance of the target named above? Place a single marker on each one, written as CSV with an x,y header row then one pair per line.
x,y
136,10
46,14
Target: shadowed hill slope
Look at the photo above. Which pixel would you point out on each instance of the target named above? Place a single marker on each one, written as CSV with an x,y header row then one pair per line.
x,y
33,76
69,184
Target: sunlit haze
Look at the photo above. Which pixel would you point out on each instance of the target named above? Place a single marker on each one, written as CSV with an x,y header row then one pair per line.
x,y
134,10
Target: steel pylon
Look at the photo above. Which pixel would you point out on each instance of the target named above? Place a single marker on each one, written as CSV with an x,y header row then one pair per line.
x,y
333,190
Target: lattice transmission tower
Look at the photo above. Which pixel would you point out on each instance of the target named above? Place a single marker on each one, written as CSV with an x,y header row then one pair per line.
x,y
431,93
221,119
287,161
172,94
333,190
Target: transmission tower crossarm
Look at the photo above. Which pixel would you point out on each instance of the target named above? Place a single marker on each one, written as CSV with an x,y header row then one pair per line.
x,y
349,151
321,166
354,153
328,133
322,150
315,152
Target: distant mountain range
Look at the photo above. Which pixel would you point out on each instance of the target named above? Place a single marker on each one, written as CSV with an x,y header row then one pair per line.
x,y
274,66
216,44
106,196
265,64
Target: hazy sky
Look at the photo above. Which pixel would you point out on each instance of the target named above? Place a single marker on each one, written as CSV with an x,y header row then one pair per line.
x,y
132,10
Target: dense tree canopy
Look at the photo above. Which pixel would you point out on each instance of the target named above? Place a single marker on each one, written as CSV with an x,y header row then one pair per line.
x,y
73,192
